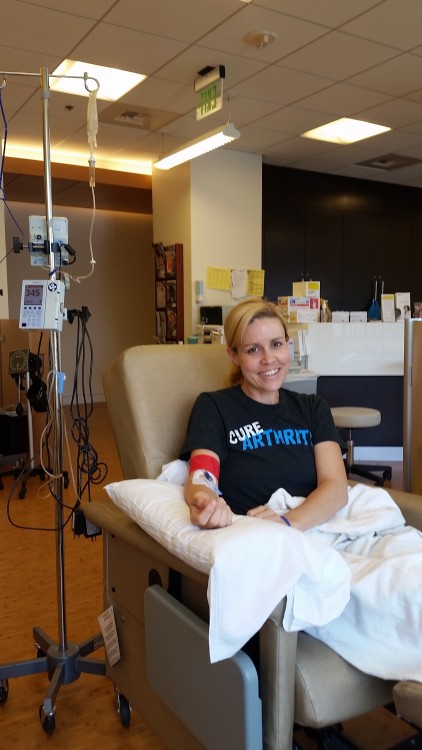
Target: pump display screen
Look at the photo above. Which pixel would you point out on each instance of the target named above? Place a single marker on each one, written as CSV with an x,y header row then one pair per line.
x,y
33,295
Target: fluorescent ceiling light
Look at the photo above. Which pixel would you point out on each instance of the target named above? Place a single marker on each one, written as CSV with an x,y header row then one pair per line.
x,y
114,83
199,146
345,130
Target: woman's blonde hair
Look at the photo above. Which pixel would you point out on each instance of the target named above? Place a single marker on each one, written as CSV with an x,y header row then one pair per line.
x,y
237,321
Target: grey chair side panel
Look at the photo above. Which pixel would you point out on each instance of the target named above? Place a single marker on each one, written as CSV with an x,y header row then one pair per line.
x,y
219,703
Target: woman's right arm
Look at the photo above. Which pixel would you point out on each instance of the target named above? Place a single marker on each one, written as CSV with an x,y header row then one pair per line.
x,y
208,510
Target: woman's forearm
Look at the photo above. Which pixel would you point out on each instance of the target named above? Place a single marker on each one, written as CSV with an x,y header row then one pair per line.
x,y
320,505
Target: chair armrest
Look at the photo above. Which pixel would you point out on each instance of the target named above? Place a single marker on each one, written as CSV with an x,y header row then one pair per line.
x,y
408,701
410,505
113,520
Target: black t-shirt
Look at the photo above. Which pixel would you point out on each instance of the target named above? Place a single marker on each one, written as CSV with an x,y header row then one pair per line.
x,y
261,447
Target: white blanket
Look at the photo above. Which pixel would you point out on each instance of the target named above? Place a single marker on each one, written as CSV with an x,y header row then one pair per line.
x,y
380,629
252,564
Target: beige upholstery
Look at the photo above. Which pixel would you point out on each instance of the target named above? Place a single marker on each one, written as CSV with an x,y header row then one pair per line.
x,y
407,697
355,416
149,392
349,418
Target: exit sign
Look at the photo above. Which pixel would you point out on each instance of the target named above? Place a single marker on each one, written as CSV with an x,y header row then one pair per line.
x,y
209,100
209,88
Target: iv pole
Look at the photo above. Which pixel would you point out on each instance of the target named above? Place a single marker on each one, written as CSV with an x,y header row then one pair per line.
x,y
62,660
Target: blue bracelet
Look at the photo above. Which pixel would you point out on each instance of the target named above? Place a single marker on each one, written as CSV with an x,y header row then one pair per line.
x,y
286,520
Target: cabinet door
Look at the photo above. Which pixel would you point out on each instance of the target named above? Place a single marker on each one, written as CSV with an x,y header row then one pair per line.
x,y
323,262
395,253
283,247
360,258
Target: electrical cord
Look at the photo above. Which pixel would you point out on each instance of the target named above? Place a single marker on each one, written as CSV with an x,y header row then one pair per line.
x,y
32,528
90,469
38,457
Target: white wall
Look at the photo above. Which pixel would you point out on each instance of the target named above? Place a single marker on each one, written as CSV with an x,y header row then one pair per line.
x,y
120,293
226,217
171,208
215,204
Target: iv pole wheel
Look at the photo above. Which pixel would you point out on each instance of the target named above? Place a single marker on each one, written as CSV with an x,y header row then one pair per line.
x,y
48,721
123,708
4,691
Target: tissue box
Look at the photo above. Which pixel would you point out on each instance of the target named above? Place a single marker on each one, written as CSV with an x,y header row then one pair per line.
x,y
358,316
340,316
306,288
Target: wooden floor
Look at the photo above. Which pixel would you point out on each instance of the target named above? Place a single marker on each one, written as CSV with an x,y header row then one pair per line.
x,y
86,715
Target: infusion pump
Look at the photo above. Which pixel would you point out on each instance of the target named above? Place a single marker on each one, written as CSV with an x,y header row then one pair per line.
x,y
42,305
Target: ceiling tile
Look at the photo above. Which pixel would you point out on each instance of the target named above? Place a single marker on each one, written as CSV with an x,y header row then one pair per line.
x,y
393,22
326,12
396,77
38,29
94,9
329,59
338,56
118,47
150,17
282,86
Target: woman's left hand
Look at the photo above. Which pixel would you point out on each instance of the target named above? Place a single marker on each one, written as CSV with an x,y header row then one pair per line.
x,y
263,511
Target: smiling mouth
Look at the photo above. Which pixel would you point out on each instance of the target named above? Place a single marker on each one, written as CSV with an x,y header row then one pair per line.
x,y
270,373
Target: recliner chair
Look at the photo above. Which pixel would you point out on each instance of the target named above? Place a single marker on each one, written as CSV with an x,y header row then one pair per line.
x,y
150,391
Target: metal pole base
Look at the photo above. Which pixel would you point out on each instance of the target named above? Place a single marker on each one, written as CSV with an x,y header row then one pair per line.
x,y
63,667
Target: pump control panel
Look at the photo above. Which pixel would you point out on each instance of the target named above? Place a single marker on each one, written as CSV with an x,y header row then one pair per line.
x,y
42,305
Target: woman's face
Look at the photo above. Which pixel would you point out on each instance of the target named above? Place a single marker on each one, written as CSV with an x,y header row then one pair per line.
x,y
263,358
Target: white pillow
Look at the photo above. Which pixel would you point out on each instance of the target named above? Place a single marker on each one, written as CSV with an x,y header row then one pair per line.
x,y
252,564
160,509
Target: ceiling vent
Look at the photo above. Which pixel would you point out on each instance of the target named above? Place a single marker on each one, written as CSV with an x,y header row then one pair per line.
x,y
388,162
132,116
129,117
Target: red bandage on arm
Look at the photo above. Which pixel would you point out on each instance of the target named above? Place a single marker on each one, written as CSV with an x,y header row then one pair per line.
x,y
206,462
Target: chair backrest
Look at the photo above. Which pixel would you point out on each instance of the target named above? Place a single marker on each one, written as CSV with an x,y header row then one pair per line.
x,y
150,391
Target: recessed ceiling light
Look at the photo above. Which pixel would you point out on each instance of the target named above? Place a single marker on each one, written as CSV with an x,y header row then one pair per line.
x,y
345,130
114,83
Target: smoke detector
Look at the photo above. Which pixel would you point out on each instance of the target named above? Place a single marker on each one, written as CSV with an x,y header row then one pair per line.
x,y
260,39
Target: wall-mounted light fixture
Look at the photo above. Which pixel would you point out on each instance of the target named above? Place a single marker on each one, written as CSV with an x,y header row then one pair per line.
x,y
198,147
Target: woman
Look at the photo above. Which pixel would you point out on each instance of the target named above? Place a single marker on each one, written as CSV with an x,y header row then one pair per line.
x,y
246,441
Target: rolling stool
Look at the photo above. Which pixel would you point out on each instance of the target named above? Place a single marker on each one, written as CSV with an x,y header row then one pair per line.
x,y
349,418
